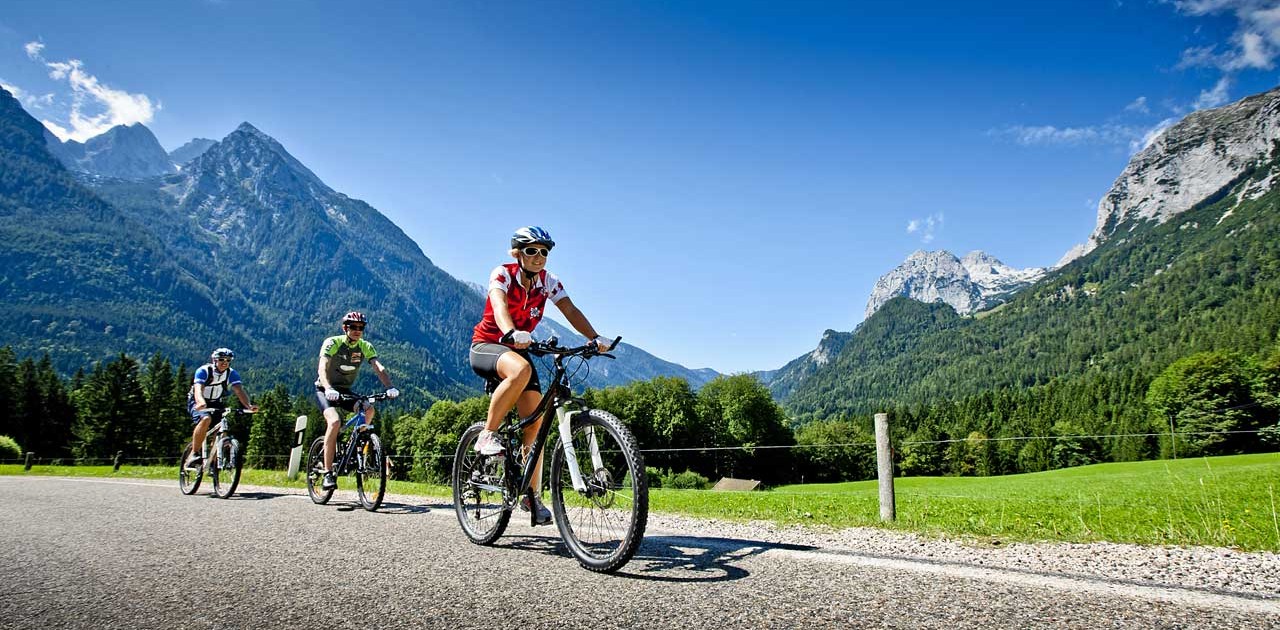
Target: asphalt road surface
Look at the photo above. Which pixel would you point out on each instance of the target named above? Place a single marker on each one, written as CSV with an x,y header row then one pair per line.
x,y
83,553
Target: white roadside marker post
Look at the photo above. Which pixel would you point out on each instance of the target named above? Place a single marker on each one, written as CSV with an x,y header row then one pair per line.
x,y
295,455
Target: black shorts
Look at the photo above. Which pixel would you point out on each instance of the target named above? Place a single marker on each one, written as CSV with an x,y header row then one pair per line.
x,y
348,405
484,362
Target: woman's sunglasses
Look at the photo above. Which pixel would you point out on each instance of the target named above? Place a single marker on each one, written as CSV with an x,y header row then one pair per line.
x,y
536,251
355,326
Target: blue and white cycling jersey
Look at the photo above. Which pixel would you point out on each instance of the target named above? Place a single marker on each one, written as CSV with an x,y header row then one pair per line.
x,y
214,384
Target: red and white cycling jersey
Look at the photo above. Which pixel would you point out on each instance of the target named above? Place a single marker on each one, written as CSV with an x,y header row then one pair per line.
x,y
526,307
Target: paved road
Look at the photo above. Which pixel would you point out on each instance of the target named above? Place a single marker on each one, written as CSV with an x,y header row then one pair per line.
x,y
118,554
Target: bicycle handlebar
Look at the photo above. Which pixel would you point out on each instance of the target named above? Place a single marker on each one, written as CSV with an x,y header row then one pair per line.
x,y
552,346
356,397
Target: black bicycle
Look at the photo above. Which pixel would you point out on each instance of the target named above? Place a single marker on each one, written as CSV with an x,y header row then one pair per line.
x,y
361,455
599,492
220,454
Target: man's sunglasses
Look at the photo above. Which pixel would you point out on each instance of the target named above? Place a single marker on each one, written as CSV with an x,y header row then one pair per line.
x,y
355,326
536,251
222,360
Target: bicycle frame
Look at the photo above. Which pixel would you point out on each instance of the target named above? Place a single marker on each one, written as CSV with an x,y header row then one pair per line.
x,y
558,396
349,449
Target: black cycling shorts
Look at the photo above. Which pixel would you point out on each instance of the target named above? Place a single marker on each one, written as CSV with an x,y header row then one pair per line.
x,y
348,405
484,362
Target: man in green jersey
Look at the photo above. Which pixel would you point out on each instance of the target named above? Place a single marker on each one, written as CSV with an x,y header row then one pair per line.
x,y
340,360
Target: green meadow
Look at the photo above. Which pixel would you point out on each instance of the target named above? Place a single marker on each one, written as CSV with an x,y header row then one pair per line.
x,y
1227,501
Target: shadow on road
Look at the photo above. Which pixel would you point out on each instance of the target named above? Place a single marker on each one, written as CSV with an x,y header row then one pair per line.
x,y
256,496
694,559
678,559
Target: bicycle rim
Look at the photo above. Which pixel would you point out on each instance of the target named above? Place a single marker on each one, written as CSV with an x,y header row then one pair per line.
x,y
226,475
603,525
477,495
315,473
371,472
188,478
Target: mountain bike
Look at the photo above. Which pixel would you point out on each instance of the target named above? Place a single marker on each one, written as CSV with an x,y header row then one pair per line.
x,y
361,454
223,465
599,492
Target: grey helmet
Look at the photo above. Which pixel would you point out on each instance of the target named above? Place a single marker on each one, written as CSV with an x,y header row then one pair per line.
x,y
531,235
222,353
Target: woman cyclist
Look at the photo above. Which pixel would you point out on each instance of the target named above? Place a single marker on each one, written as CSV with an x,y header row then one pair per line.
x,y
518,294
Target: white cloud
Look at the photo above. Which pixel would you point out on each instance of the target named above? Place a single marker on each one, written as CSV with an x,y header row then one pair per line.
x,y
1215,96
927,227
29,101
95,106
1049,135
1138,105
1151,134
1255,44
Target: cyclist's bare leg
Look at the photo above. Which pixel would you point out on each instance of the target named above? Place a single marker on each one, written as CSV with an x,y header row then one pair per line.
x,y
527,404
197,435
515,372
334,420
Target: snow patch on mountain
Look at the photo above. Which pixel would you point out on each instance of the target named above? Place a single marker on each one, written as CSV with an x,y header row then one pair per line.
x,y
973,283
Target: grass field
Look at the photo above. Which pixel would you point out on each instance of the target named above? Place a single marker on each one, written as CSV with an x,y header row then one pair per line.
x,y
1221,501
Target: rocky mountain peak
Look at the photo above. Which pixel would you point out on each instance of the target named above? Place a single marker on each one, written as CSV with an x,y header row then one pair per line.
x,y
191,150
976,282
1203,154
123,151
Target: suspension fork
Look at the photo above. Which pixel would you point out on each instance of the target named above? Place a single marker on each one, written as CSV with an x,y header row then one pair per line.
x,y
565,420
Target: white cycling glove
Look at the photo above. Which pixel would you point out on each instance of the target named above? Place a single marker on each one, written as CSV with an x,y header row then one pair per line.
x,y
331,394
522,337
392,392
603,343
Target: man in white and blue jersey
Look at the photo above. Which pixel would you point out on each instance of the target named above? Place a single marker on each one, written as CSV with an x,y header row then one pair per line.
x,y
208,389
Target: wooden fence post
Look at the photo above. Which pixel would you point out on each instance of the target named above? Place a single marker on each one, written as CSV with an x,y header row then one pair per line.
x,y
30,456
884,466
119,459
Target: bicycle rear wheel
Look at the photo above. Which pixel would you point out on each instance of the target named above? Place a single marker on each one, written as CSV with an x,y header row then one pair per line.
x,y
371,472
478,481
188,478
603,524
225,468
315,473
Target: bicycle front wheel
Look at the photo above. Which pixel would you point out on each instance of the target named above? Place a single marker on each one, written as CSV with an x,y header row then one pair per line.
x,y
188,477
478,481
603,523
315,473
225,469
371,472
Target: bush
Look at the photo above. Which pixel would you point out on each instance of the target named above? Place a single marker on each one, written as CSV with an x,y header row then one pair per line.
x,y
654,475
687,480
9,449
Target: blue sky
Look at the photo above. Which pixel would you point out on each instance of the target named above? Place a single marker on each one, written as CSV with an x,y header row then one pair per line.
x,y
726,179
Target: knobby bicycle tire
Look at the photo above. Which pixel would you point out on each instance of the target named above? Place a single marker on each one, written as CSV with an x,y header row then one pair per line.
x,y
603,526
481,513
315,473
188,479
371,466
225,469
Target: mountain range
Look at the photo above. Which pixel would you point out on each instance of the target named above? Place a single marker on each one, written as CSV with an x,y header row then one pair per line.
x,y
1183,259
125,247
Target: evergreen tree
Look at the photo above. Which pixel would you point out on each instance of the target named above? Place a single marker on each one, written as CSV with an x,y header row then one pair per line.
x,y
54,436
271,435
8,400
110,404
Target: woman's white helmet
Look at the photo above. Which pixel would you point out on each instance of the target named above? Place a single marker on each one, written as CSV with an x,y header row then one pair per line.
x,y
531,235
